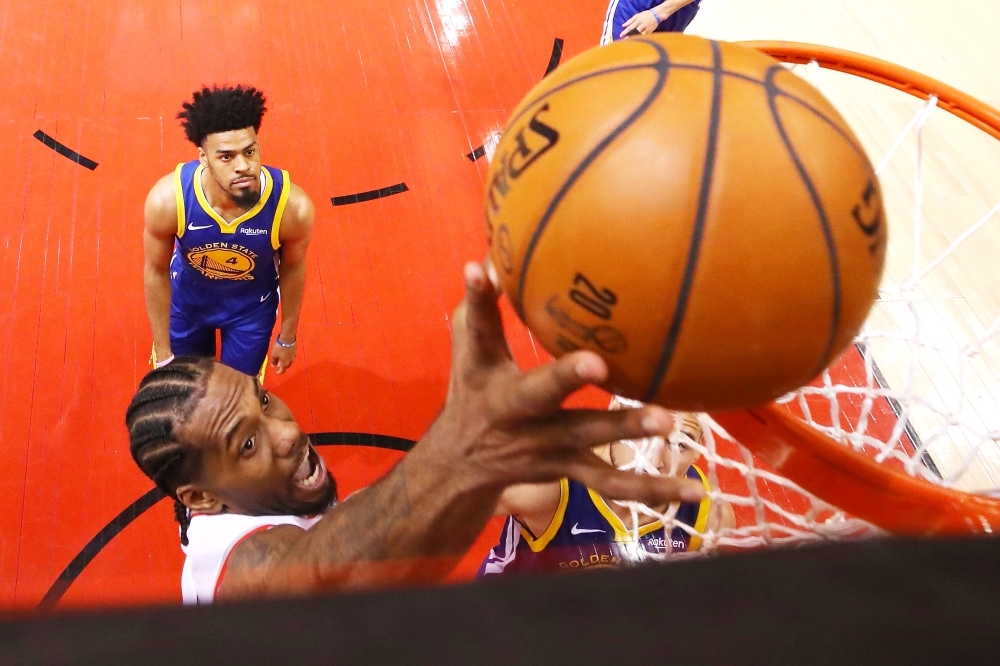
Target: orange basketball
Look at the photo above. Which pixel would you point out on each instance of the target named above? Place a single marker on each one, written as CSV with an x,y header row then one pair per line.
x,y
692,211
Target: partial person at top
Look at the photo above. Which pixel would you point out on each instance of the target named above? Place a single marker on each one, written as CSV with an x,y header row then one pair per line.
x,y
258,508
566,526
626,18
224,234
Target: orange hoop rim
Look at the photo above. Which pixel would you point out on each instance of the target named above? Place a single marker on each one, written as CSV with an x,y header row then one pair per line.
x,y
951,99
848,479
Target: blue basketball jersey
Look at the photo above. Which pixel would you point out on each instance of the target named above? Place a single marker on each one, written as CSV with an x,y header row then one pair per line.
x,y
224,268
620,11
585,533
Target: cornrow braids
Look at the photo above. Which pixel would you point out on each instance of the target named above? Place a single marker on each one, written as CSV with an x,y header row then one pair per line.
x,y
183,518
221,109
166,397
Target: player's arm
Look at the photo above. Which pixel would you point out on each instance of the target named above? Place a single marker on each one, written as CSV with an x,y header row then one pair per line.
x,y
294,233
647,21
721,516
158,245
533,504
499,427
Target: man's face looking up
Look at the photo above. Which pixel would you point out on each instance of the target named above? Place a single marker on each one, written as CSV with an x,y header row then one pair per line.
x,y
252,458
233,159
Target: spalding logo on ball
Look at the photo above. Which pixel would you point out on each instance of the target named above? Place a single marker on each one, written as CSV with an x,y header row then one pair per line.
x,y
693,212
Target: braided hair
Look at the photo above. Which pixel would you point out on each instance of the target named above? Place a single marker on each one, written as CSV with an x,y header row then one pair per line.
x,y
166,397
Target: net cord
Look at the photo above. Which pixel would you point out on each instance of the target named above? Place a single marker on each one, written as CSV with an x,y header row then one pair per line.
x,y
775,524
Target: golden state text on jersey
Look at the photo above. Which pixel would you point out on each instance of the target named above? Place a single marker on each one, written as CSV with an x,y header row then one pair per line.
x,y
585,534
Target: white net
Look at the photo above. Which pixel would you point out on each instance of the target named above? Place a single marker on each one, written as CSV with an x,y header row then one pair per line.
x,y
920,389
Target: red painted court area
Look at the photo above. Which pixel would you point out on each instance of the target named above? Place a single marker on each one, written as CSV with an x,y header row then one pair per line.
x,y
362,98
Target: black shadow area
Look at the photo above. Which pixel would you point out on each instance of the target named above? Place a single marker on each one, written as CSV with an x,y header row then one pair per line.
x,y
874,603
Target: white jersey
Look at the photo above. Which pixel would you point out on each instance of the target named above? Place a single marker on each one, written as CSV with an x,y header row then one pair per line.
x,y
211,537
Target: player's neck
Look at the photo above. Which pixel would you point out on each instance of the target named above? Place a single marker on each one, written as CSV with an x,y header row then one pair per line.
x,y
219,199
625,514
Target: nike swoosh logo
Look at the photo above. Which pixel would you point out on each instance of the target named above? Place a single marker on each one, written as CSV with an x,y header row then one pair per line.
x,y
578,530
264,297
191,227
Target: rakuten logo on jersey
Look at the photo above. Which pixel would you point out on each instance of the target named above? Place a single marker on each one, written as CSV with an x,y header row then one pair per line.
x,y
659,543
252,232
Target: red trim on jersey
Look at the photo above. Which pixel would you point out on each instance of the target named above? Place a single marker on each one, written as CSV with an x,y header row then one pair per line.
x,y
225,562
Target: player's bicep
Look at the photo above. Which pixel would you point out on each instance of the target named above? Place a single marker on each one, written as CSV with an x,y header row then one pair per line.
x,y
157,251
721,517
728,516
160,228
255,565
296,226
160,210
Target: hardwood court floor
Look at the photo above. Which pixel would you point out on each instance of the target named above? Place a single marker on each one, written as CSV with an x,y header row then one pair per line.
x,y
363,97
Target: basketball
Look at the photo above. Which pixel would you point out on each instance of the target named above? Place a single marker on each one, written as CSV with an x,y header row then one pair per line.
x,y
695,213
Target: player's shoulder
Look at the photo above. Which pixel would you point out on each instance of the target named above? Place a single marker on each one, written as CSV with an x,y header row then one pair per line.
x,y
164,185
162,197
299,201
160,210
263,547
239,550
255,559
298,215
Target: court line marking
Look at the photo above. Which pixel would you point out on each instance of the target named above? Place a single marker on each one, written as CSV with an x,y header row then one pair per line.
x,y
370,195
554,58
65,150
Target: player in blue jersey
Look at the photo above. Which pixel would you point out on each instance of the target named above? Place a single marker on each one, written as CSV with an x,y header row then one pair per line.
x,y
224,234
566,526
626,18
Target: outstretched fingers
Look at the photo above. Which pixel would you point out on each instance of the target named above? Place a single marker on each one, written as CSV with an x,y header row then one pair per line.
x,y
477,325
572,434
541,391
586,428
614,484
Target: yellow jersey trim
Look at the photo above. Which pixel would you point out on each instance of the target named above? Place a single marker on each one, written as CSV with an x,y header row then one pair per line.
x,y
539,544
282,200
701,522
230,227
622,533
179,198
263,369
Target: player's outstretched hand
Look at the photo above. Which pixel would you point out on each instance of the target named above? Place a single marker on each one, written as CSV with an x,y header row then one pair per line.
x,y
499,426
511,425
282,356
644,22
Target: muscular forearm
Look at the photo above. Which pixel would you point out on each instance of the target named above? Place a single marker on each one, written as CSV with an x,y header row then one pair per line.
x,y
157,288
413,525
293,281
